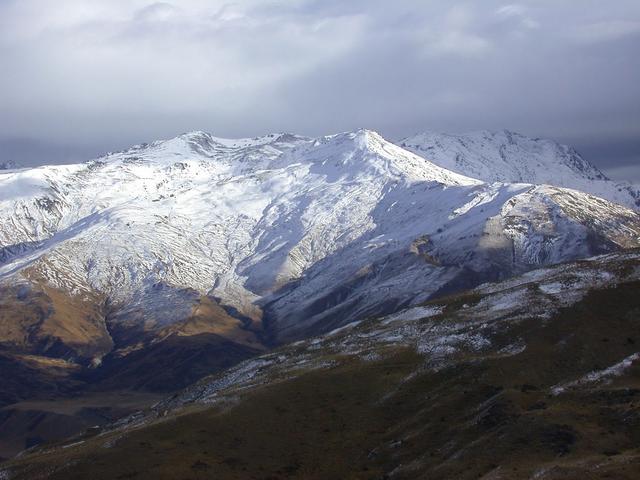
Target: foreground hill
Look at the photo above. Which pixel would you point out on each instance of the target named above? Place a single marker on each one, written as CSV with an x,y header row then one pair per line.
x,y
505,156
534,377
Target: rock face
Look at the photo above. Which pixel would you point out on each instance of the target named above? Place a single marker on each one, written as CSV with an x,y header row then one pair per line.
x,y
506,156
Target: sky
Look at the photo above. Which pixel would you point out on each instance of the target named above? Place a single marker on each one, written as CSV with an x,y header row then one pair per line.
x,y
80,78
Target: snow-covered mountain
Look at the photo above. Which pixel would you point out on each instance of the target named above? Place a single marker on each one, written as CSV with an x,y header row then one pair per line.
x,y
290,234
505,156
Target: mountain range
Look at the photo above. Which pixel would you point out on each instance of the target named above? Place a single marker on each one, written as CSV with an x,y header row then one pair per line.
x,y
148,269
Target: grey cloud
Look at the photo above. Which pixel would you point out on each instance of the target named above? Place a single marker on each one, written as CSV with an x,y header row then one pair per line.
x,y
118,72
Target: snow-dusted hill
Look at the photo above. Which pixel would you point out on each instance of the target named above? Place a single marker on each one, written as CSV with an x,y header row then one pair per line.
x,y
441,330
303,234
505,156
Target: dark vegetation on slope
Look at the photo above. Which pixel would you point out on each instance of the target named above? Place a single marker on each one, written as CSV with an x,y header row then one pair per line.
x,y
488,416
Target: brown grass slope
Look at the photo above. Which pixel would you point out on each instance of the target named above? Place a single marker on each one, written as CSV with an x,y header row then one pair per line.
x,y
57,346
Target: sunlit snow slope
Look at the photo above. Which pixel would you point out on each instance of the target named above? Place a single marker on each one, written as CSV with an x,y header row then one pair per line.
x,y
505,156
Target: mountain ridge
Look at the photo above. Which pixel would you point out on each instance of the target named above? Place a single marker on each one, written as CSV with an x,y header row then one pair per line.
x,y
508,156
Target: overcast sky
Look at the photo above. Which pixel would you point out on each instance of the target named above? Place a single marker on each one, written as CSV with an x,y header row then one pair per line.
x,y
79,78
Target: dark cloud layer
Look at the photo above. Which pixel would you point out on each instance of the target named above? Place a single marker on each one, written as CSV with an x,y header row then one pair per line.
x,y
83,77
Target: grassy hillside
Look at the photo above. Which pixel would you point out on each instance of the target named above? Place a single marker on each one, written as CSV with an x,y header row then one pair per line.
x,y
552,396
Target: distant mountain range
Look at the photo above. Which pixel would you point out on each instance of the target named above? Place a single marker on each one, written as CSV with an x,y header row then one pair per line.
x,y
506,156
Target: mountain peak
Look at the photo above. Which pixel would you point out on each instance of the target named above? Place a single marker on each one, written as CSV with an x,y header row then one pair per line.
x,y
359,136
200,136
366,152
508,156
195,135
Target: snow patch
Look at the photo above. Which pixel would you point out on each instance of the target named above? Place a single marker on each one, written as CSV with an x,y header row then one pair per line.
x,y
599,376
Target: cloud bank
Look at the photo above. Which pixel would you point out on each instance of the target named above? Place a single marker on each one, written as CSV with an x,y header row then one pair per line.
x,y
89,75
